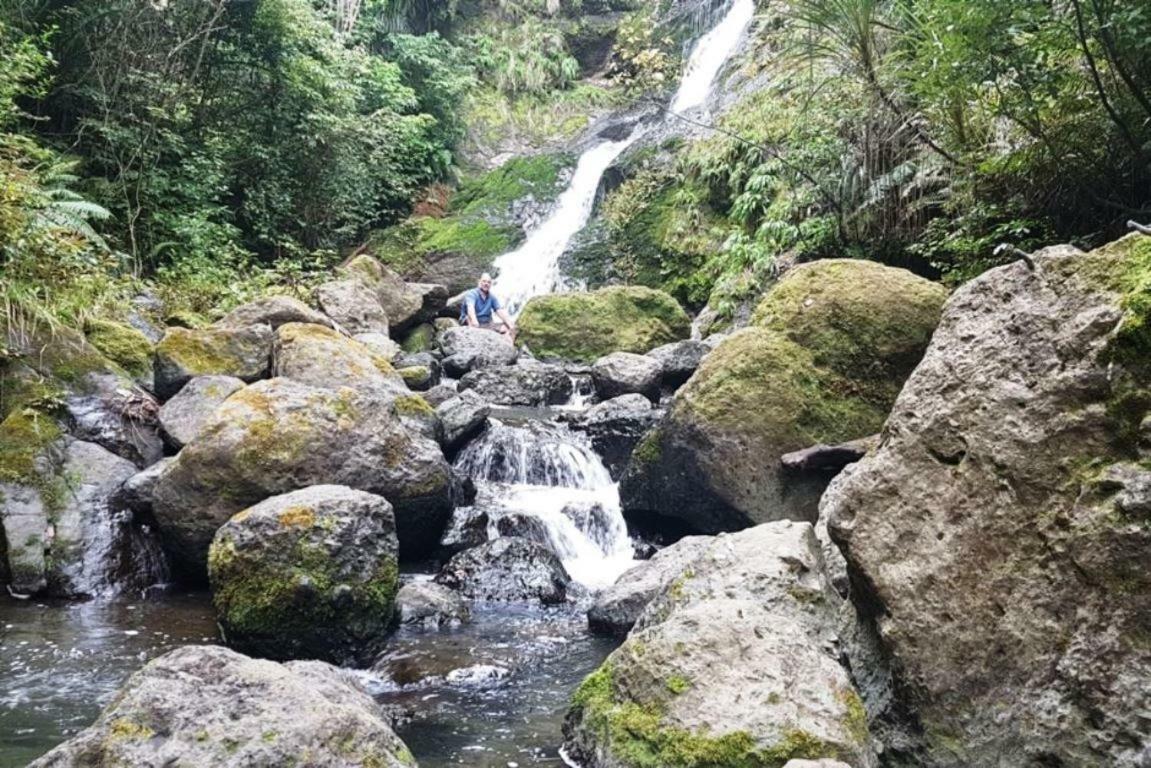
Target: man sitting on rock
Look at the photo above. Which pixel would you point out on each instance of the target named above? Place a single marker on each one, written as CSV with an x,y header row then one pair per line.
x,y
480,304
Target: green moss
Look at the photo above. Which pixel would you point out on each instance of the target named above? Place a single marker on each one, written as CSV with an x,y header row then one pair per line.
x,y
856,720
185,319
124,729
413,405
419,339
25,435
122,344
200,352
649,449
492,192
415,375
587,325
475,237
678,684
637,737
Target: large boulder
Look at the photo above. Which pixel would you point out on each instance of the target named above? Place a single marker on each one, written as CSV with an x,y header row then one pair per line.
x,y
800,378
273,311
735,663
123,345
278,436
625,373
405,305
321,357
184,354
308,574
109,411
467,348
588,325
507,569
679,360
205,705
184,415
528,383
461,418
353,306
617,608
999,532
615,427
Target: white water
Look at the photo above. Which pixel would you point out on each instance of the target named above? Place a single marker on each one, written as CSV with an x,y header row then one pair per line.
x,y
533,269
549,485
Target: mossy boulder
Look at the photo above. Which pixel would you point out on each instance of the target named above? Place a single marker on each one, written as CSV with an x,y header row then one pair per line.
x,y
185,353
273,311
278,436
792,381
733,663
404,304
1011,484
182,417
209,706
308,574
318,356
123,345
585,326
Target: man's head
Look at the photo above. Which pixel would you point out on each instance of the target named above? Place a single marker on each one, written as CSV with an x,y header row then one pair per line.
x,y
485,283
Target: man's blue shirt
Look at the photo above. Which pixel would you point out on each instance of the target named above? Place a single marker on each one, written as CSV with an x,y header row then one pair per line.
x,y
484,307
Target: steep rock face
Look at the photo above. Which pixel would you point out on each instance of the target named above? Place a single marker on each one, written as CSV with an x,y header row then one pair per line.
x,y
799,378
278,436
308,574
735,663
184,353
1000,531
203,705
587,326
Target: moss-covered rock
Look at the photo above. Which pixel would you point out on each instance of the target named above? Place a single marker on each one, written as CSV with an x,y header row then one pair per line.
x,y
585,326
419,339
800,377
308,574
122,344
186,353
322,357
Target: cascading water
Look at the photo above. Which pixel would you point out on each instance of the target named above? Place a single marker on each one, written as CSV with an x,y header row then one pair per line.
x,y
533,268
542,481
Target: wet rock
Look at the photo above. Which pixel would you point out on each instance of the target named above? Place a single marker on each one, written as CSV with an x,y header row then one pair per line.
x,y
679,360
466,349
507,569
431,605
136,493
205,705
588,325
272,311
353,306
526,384
528,527
117,416
616,426
322,357
461,418
467,528
735,662
278,436
308,574
624,373
593,520
182,417
998,534
832,343
380,344
617,608
184,354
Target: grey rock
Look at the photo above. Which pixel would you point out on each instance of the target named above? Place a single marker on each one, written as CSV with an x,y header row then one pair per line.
x,y
827,459
1009,583
467,349
273,311
278,436
430,604
461,418
528,527
205,705
742,641
382,345
136,493
418,378
467,528
617,608
527,384
507,570
679,360
440,394
308,574
321,357
616,426
182,417
353,306
623,373
406,305
184,353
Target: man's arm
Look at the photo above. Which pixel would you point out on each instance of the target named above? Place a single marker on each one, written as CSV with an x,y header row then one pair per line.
x,y
473,321
502,315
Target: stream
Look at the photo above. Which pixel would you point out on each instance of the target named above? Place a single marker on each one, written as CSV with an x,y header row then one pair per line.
x,y
492,692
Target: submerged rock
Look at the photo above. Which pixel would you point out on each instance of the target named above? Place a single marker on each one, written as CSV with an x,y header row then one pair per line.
x,y
209,706
272,311
278,436
184,354
527,383
309,574
734,663
430,605
999,532
588,325
507,569
623,373
184,415
834,342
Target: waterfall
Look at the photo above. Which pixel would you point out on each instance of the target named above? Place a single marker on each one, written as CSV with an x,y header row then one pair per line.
x,y
533,268
544,482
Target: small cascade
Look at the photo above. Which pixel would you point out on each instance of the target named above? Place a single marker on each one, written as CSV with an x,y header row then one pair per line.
x,y
545,483
534,268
